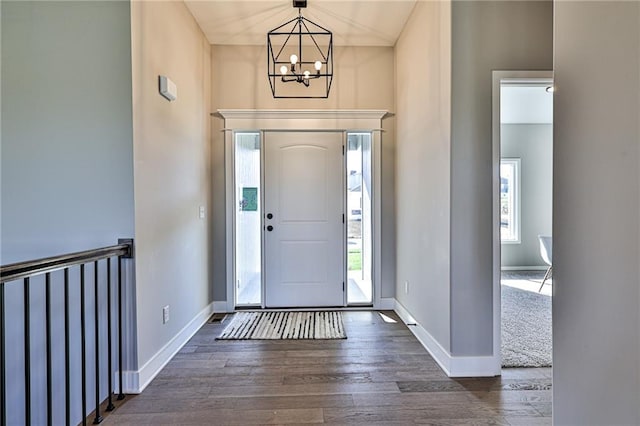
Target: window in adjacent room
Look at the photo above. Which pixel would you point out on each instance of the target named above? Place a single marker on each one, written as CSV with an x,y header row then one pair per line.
x,y
510,200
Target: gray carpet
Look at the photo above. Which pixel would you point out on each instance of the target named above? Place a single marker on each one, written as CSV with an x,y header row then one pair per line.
x,y
526,328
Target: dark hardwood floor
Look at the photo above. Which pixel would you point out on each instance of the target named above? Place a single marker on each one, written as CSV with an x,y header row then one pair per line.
x,y
379,375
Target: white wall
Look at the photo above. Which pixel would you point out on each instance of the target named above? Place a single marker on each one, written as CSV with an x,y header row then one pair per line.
x,y
171,149
596,214
364,79
533,144
423,84
486,36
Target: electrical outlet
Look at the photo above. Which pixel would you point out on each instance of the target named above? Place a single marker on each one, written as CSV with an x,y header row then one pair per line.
x,y
165,314
201,212
406,287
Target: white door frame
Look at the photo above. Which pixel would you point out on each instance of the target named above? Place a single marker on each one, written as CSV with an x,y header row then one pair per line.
x,y
514,77
237,120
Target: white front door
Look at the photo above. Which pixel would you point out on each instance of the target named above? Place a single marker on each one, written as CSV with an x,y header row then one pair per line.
x,y
303,225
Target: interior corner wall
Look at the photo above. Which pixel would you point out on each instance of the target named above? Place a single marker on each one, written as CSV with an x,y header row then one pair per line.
x,y
67,168
596,214
533,145
486,36
364,79
423,84
172,172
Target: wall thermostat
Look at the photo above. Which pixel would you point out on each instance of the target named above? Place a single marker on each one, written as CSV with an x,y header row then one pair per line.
x,y
168,88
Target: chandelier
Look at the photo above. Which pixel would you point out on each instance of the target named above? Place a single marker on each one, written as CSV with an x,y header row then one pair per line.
x,y
300,51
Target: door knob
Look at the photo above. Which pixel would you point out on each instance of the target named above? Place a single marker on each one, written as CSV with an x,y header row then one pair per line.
x,y
269,216
269,228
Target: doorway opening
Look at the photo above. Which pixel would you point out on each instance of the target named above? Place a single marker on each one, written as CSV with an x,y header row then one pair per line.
x,y
523,193
288,200
249,135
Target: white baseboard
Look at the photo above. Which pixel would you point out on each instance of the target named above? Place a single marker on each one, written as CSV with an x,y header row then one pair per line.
x,y
130,382
524,268
453,366
386,304
220,306
135,382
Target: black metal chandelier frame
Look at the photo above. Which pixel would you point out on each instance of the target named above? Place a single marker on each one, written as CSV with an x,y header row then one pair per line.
x,y
295,69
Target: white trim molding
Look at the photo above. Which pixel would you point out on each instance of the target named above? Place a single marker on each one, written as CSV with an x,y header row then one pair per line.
x,y
130,382
524,268
134,382
263,121
301,120
453,366
385,304
499,78
221,306
316,114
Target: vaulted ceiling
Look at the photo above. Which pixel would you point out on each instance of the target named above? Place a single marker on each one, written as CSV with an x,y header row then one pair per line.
x,y
353,22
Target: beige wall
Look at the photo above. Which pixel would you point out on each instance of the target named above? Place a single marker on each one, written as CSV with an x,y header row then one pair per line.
x,y
363,79
172,175
423,101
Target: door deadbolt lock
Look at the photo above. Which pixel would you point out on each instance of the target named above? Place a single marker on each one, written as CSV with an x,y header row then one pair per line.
x,y
269,228
269,216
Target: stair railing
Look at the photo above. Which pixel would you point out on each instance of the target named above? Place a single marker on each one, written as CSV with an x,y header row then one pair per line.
x,y
100,261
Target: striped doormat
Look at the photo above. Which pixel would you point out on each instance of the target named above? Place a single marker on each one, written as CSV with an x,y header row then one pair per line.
x,y
284,325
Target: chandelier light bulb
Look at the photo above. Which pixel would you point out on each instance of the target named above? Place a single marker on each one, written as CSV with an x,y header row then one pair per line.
x,y
318,65
284,70
294,59
306,75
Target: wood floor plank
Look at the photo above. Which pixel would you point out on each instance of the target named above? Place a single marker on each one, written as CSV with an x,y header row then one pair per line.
x,y
145,406
224,417
530,421
312,389
379,375
408,415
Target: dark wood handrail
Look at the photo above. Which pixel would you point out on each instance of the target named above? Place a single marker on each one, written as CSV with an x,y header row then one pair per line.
x,y
19,270
12,274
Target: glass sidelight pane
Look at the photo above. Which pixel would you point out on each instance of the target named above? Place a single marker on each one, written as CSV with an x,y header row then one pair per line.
x,y
359,220
248,211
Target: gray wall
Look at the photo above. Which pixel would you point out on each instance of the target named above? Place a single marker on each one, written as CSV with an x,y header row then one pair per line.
x,y
596,214
486,36
533,144
66,169
423,82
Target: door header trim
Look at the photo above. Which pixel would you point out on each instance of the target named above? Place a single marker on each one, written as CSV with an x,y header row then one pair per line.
x,y
302,114
310,120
